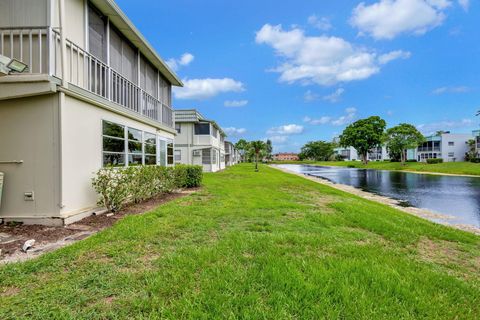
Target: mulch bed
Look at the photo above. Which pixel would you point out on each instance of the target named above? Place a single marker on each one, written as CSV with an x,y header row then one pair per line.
x,y
43,234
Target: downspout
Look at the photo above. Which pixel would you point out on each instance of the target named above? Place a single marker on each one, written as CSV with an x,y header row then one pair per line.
x,y
61,102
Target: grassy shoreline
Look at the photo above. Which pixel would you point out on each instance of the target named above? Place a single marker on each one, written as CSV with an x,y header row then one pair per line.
x,y
451,168
255,245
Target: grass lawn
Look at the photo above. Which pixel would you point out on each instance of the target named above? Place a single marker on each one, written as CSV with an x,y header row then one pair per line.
x,y
265,245
447,167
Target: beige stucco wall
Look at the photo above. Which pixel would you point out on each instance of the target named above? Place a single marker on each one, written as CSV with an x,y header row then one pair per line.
x,y
28,129
82,150
23,13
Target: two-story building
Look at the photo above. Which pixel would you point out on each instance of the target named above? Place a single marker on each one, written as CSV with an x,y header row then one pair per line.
x,y
95,94
199,141
231,154
447,146
286,156
476,135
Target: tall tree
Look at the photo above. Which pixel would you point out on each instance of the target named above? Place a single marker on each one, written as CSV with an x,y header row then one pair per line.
x,y
242,146
401,138
364,135
257,147
268,149
317,150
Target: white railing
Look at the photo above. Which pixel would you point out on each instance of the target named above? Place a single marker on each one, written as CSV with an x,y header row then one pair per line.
x,y
40,48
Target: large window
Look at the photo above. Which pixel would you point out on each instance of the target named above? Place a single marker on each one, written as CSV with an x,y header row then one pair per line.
x,y
113,144
214,156
128,146
202,128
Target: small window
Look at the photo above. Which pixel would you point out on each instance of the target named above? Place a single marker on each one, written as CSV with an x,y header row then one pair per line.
x,y
214,132
202,128
113,144
163,153
451,154
206,156
451,143
170,153
214,157
150,149
177,155
178,127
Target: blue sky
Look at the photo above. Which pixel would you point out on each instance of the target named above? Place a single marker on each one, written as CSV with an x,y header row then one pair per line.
x,y
297,71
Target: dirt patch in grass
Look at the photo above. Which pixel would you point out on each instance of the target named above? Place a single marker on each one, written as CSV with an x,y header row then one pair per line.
x,y
450,255
9,291
13,236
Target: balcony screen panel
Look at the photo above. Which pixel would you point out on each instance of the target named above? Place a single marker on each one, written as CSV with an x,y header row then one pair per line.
x,y
165,91
123,57
97,35
148,77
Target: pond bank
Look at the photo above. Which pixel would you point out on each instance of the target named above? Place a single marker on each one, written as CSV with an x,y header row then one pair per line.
x,y
396,204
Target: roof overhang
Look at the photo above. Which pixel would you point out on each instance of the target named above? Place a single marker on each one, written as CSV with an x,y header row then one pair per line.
x,y
121,21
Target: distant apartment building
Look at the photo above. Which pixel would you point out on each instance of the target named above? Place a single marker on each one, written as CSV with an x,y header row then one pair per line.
x,y
476,135
199,141
351,154
95,94
286,157
232,156
447,146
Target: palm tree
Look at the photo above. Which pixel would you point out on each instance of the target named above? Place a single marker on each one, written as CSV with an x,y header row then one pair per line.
x,y
257,147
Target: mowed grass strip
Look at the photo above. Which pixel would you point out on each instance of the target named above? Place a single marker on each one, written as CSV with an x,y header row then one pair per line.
x,y
266,245
457,168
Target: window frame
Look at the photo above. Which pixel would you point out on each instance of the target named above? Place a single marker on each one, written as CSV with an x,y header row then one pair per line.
x,y
126,154
203,124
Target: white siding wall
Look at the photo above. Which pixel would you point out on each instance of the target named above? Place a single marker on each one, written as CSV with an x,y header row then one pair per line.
x,y
82,150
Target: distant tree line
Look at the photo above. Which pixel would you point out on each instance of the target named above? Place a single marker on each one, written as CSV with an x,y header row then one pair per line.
x,y
364,135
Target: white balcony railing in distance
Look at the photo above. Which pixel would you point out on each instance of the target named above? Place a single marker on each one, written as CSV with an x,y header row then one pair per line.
x,y
39,47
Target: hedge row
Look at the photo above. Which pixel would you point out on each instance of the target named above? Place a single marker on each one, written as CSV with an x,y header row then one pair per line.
x,y
434,160
119,186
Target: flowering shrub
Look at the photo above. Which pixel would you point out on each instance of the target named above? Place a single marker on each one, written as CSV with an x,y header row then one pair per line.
x,y
118,186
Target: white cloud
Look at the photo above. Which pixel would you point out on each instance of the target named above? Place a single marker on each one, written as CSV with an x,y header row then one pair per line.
x,y
200,89
287,129
350,114
234,132
334,96
465,4
184,60
431,128
394,55
442,90
322,60
387,19
235,103
322,23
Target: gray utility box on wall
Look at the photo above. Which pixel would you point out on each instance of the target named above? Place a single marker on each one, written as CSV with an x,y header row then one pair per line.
x,y
1,187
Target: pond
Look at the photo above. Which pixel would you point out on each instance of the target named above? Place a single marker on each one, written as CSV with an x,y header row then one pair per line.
x,y
455,196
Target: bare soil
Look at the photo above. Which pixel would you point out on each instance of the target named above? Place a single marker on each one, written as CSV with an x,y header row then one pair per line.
x,y
13,236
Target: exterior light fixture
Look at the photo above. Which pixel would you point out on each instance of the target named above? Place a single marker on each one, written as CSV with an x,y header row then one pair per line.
x,y
17,66
9,66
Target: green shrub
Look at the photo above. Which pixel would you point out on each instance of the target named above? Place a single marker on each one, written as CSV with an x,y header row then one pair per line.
x,y
194,177
118,186
434,161
113,187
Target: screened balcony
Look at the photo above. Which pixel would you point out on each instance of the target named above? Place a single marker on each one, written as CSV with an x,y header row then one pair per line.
x,y
140,88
